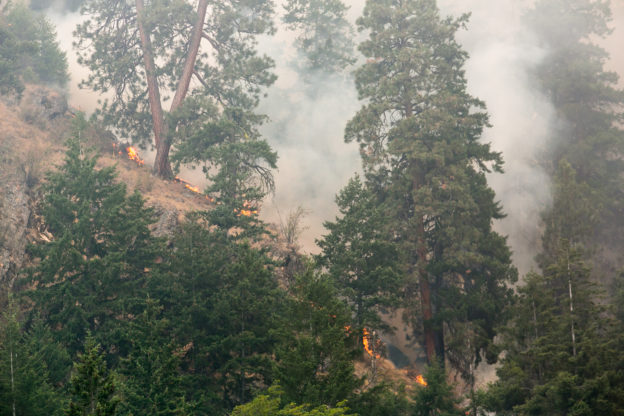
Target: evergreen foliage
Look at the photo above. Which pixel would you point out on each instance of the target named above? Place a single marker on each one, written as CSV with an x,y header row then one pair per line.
x,y
41,59
27,386
419,135
324,34
589,104
152,381
269,405
89,275
92,386
136,50
437,398
360,256
562,347
315,361
29,51
227,307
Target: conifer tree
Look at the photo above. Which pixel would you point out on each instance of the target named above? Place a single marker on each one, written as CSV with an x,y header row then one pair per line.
x,y
93,267
315,361
92,385
324,33
588,104
419,134
360,256
563,349
26,385
141,50
437,397
153,383
226,304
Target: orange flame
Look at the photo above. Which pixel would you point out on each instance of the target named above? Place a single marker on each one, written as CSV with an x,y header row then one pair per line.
x,y
413,375
247,210
367,341
192,188
133,155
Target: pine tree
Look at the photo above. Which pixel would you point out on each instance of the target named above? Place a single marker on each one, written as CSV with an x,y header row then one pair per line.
x,y
588,104
419,135
562,347
92,385
153,383
270,405
315,360
26,384
225,303
437,398
324,33
140,48
359,256
89,274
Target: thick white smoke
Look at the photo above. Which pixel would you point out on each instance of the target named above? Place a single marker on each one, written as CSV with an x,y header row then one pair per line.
x,y
308,113
502,52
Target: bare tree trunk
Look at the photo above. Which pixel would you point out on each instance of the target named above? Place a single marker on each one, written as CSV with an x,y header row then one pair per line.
x,y
191,56
425,296
161,164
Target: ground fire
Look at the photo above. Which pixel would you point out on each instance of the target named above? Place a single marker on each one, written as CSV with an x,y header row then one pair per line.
x,y
133,155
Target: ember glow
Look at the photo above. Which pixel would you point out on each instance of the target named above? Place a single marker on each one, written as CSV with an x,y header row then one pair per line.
x,y
421,380
133,155
189,186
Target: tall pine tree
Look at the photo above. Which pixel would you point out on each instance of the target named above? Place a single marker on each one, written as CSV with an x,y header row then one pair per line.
x,y
419,134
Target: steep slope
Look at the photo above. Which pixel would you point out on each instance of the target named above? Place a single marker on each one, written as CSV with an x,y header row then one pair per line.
x,y
32,133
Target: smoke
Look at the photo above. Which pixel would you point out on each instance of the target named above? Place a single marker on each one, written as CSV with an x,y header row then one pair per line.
x,y
65,23
308,112
613,44
502,53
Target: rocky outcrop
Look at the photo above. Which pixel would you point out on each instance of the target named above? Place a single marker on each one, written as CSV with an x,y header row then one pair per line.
x,y
14,217
167,223
41,105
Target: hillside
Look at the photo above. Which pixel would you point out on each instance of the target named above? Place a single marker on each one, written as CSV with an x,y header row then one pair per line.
x,y
32,136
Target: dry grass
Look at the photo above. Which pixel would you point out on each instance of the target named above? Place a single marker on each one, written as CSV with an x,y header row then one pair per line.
x,y
34,151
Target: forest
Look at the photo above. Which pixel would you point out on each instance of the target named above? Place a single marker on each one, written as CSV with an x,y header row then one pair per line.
x,y
453,275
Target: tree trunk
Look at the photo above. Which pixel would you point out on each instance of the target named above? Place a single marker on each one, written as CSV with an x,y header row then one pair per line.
x,y
425,295
161,164
191,56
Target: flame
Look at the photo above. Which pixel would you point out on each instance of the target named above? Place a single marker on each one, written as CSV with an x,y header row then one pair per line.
x,y
190,187
367,340
247,210
133,155
418,378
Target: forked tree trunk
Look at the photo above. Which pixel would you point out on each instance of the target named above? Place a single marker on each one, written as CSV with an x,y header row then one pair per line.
x,y
162,167
191,56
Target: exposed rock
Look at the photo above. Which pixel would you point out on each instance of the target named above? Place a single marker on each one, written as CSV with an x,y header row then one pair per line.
x,y
41,105
14,216
167,222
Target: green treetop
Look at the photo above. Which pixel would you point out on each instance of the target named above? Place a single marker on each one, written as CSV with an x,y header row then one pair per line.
x,y
92,385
